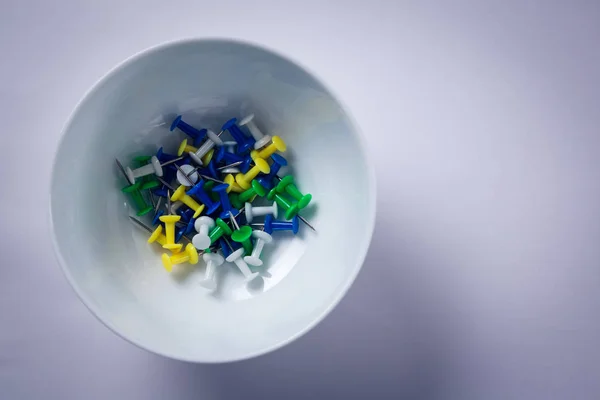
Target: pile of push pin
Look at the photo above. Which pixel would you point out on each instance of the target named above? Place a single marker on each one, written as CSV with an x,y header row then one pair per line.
x,y
223,180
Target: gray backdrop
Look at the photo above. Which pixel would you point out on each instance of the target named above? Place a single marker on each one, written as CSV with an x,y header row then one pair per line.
x,y
482,280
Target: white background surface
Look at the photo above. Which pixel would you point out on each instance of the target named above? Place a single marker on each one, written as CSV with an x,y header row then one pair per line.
x,y
482,281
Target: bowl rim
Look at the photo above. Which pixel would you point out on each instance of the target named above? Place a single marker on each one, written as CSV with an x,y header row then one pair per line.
x,y
370,212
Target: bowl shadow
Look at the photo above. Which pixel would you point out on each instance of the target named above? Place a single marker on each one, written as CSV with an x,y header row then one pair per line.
x,y
388,338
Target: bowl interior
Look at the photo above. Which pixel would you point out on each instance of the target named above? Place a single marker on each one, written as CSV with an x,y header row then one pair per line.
x,y
120,277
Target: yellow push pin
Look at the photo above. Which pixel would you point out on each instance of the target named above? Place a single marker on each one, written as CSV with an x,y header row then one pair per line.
x,y
169,221
233,187
277,144
187,200
260,165
184,147
158,237
190,254
208,156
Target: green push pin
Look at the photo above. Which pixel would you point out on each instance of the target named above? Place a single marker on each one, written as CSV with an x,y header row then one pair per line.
x,y
256,190
219,230
242,235
286,184
148,181
135,194
290,207
238,200
151,184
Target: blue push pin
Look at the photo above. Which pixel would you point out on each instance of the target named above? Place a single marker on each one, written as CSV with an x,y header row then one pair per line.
x,y
245,165
190,226
198,191
219,154
227,209
212,168
179,234
268,180
185,213
227,248
274,225
164,157
231,158
196,134
243,141
155,219
161,191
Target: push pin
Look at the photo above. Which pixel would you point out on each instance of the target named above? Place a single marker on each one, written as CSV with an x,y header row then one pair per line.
x,y
230,168
212,260
207,158
226,248
252,212
151,184
290,207
260,165
261,139
187,175
219,230
236,257
242,235
233,186
155,235
153,167
187,200
277,144
262,238
174,207
212,141
278,162
165,158
196,134
148,181
225,204
227,147
133,191
286,184
169,221
228,157
256,189
189,255
157,215
201,240
244,143
198,191
271,225
184,147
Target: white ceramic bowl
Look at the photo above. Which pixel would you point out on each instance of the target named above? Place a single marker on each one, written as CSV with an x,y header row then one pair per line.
x,y
120,277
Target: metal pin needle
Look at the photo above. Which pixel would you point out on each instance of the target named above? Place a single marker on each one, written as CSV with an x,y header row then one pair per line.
x,y
235,164
161,180
123,171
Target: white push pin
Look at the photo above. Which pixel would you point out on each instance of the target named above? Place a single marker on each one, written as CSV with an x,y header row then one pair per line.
x,y
262,238
261,139
252,212
176,205
236,257
187,175
231,170
230,146
201,240
153,167
208,144
213,260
